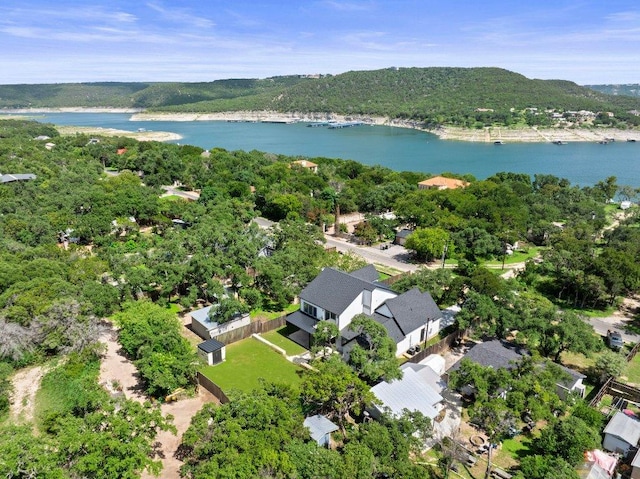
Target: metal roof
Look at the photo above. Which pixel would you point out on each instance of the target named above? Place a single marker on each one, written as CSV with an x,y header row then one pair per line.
x,y
410,392
319,426
210,345
624,427
7,178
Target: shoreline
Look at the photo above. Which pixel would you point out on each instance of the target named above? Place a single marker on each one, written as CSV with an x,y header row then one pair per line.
x,y
163,136
503,135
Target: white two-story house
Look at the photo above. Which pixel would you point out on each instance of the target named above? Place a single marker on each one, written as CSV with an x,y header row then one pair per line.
x,y
410,318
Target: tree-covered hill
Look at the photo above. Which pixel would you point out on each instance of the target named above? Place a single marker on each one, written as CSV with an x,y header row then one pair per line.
x,y
462,96
628,89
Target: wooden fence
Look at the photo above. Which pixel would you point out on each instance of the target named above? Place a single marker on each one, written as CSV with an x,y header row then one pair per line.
x,y
615,388
212,387
253,328
443,345
393,279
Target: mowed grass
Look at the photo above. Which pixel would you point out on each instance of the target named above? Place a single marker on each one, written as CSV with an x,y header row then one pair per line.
x,y
279,338
633,371
247,362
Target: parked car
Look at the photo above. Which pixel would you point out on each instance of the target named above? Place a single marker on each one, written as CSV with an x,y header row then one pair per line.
x,y
614,340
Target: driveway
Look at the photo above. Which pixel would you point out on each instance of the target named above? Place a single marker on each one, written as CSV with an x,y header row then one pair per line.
x,y
619,321
394,256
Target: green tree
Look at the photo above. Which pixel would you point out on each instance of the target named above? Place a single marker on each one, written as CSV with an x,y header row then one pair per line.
x,y
374,357
428,243
569,439
545,467
333,389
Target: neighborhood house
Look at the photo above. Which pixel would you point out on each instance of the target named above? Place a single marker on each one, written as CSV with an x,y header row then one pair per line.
x,y
410,318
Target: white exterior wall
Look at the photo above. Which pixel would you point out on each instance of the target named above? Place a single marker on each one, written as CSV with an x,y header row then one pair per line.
x,y
615,444
230,326
379,296
350,311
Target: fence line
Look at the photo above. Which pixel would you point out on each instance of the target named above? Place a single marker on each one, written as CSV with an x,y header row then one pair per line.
x,y
443,345
622,389
253,328
212,387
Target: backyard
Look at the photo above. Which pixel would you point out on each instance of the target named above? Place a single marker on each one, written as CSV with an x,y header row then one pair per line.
x,y
247,362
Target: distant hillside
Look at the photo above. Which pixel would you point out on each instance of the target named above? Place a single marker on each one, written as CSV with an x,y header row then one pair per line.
x,y
471,97
629,89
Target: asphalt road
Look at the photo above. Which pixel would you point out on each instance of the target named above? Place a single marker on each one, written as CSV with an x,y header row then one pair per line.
x,y
614,323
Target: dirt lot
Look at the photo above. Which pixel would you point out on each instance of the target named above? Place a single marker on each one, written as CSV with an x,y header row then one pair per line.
x,y
117,372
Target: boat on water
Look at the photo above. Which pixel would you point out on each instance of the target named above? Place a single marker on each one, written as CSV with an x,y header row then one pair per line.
x,y
603,142
631,140
498,142
559,142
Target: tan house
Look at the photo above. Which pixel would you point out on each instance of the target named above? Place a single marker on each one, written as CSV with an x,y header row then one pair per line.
x,y
309,165
442,183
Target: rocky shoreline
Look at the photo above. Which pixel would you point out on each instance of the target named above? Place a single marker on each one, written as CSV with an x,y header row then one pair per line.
x,y
484,135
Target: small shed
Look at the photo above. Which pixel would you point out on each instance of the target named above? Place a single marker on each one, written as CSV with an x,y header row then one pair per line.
x,y
621,434
212,351
402,235
320,429
435,362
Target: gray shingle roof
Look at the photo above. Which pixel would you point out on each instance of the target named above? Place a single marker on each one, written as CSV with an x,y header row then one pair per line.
x,y
334,290
393,330
368,273
495,353
413,309
624,427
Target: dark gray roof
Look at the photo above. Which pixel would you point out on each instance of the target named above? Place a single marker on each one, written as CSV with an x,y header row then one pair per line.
x,y
210,345
495,353
393,330
413,309
368,273
403,233
302,321
334,290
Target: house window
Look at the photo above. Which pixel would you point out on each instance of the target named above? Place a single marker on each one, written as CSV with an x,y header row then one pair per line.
x,y
329,316
310,309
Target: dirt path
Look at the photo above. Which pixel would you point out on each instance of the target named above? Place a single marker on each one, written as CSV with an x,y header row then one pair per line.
x,y
26,383
117,373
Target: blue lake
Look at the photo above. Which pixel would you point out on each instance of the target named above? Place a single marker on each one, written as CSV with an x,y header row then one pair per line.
x,y
396,148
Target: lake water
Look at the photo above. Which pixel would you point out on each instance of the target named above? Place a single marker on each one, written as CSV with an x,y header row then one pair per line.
x,y
396,148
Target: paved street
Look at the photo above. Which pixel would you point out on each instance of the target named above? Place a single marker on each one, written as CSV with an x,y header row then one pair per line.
x,y
394,257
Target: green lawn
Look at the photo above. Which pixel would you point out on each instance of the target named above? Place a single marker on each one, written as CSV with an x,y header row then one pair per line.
x,y
279,338
246,362
633,371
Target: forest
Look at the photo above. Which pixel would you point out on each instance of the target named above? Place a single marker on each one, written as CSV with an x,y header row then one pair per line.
x,y
93,237
468,97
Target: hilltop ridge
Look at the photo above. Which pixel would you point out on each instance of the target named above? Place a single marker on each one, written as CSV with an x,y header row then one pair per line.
x,y
467,97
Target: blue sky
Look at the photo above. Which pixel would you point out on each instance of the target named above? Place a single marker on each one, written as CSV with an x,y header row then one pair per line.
x,y
42,41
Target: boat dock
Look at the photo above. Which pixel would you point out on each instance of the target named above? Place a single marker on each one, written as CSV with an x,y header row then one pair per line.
x,y
346,124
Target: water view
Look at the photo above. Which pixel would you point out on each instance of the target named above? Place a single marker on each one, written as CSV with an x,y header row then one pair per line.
x,y
396,148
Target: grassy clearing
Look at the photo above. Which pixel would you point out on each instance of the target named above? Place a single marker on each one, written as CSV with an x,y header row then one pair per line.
x,y
247,362
269,315
64,386
577,361
279,338
633,371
